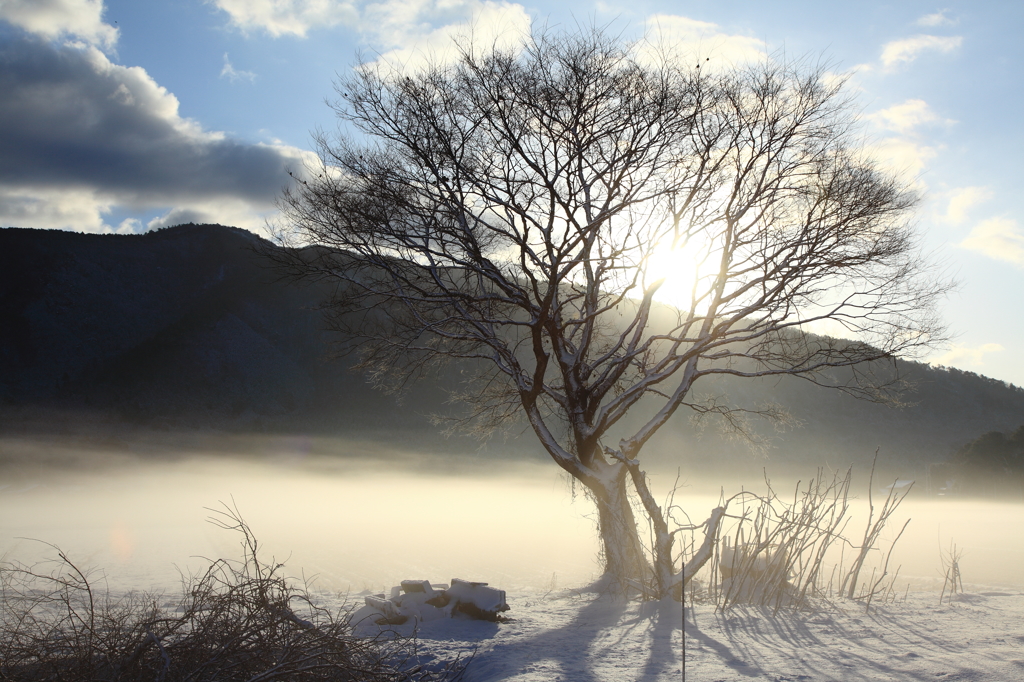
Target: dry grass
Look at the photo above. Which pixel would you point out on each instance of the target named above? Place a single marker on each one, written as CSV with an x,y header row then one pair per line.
x,y
953,583
239,620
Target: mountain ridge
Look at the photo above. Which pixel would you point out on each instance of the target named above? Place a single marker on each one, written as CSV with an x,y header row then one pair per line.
x,y
189,327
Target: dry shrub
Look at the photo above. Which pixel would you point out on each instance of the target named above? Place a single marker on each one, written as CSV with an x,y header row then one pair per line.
x,y
238,620
778,555
781,552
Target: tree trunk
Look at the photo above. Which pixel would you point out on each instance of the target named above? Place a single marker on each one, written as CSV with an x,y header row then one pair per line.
x,y
624,555
664,570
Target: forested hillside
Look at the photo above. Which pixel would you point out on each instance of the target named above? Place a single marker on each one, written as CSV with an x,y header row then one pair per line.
x,y
191,328
183,328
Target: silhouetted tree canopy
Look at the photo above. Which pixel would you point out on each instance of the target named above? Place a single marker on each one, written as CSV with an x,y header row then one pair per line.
x,y
509,209
994,453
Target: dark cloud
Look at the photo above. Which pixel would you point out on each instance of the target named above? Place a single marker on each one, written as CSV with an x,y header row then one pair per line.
x,y
71,118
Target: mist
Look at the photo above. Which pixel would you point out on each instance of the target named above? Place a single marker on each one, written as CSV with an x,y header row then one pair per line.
x,y
353,523
354,515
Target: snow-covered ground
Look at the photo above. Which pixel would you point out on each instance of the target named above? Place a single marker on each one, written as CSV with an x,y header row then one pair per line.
x,y
586,637
357,528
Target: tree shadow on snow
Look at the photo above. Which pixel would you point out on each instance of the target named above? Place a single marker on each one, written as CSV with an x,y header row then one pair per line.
x,y
663,625
790,646
732,653
562,653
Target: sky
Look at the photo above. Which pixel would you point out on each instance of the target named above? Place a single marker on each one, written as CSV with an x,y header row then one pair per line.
x,y
128,116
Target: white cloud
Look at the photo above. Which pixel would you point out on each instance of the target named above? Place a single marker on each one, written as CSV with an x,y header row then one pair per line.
x,y
907,50
414,43
902,155
899,145
130,226
88,210
232,212
702,40
94,123
407,32
288,17
845,79
900,148
962,200
936,19
53,19
137,93
905,118
999,238
965,356
92,136
77,209
228,71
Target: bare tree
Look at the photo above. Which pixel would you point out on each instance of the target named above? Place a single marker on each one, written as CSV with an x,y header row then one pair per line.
x,y
509,208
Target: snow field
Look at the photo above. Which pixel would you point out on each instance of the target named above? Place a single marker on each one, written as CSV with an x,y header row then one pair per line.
x,y
588,637
352,528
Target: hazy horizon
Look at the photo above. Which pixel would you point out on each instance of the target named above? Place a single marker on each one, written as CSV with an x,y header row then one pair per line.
x,y
368,523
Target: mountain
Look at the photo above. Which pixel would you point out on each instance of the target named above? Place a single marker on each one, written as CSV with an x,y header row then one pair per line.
x,y
183,328
191,328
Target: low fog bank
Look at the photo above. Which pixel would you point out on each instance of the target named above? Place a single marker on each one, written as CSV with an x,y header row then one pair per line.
x,y
364,518
364,514
97,446
81,440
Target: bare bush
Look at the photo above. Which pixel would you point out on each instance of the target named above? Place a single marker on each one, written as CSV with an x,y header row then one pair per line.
x,y
780,546
871,533
238,620
777,552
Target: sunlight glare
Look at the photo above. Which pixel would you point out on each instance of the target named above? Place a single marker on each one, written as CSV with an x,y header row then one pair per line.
x,y
678,268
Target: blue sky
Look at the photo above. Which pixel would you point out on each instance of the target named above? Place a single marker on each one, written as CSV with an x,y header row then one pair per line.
x,y
129,115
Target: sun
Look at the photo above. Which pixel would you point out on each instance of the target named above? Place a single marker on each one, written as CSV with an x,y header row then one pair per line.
x,y
679,270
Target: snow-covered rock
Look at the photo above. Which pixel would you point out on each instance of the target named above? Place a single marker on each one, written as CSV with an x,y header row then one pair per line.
x,y
424,601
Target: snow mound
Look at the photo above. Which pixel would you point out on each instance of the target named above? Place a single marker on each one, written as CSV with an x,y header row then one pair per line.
x,y
422,601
